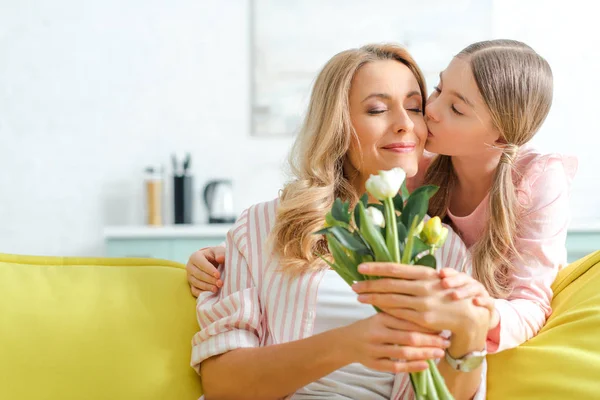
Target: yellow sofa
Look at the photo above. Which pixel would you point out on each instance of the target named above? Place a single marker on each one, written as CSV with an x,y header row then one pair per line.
x,y
87,329
78,328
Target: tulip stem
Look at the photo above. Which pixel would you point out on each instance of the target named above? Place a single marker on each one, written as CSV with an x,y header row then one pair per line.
x,y
391,229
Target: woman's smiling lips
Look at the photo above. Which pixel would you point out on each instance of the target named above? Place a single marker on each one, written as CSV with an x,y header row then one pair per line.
x,y
400,147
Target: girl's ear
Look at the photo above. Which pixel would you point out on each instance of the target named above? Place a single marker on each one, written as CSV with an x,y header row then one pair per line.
x,y
501,141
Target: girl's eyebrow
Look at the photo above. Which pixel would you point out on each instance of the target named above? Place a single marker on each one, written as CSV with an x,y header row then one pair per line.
x,y
460,96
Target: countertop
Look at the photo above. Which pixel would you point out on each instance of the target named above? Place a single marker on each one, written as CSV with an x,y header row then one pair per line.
x,y
220,230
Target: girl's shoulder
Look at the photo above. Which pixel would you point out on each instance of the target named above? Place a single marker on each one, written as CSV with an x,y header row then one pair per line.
x,y
543,176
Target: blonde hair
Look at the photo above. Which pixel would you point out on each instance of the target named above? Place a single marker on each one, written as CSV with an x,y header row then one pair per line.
x,y
318,155
516,85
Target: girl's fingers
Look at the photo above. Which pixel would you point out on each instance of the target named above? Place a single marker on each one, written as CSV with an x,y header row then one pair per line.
x,y
201,285
471,290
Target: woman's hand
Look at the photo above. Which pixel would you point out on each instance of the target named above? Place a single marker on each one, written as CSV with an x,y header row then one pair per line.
x,y
201,268
385,343
416,294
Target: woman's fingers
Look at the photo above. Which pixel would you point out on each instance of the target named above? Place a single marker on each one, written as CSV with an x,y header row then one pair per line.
x,y
387,365
409,353
399,271
386,285
394,323
390,300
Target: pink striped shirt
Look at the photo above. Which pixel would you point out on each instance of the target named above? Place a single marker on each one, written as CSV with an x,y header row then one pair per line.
x,y
259,305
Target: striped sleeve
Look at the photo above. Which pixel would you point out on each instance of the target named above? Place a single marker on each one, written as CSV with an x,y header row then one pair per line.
x,y
454,254
230,319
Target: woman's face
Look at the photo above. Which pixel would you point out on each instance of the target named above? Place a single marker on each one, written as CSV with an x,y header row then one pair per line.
x,y
458,119
386,113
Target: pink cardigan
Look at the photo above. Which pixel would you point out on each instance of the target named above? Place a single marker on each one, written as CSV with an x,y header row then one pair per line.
x,y
259,305
543,188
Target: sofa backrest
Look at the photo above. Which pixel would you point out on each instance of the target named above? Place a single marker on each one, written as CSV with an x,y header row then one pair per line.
x,y
563,360
83,328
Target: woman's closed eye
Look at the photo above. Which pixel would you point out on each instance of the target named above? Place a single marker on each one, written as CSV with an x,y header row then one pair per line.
x,y
377,111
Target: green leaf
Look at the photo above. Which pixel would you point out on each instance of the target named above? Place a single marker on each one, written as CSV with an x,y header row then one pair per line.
x,y
339,211
418,247
342,259
364,199
340,271
373,237
427,260
347,240
323,231
398,202
404,191
357,235
428,190
356,217
416,205
402,233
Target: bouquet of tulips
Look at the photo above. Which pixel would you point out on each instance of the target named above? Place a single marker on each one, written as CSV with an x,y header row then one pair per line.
x,y
391,231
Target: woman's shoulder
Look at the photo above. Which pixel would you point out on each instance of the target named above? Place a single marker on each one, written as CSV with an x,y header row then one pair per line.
x,y
256,221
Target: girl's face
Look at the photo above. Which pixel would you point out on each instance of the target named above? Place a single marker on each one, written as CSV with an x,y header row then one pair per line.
x,y
458,119
386,114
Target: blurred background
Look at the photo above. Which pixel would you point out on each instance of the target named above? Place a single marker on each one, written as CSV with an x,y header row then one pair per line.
x,y
104,103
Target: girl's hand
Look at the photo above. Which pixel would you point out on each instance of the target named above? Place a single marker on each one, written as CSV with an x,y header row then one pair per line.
x,y
201,268
465,287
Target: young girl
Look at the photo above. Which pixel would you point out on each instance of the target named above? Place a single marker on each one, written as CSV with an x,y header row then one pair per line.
x,y
508,202
283,324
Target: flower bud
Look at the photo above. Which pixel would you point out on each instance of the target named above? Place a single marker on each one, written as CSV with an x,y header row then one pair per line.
x,y
375,216
432,231
386,184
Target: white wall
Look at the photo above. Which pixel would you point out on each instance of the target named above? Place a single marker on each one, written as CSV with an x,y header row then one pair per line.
x,y
91,92
567,34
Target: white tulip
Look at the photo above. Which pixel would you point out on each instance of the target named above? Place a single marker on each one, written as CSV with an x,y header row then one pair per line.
x,y
375,216
386,184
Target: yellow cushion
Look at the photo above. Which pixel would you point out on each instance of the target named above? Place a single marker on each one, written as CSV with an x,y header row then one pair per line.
x,y
95,329
563,360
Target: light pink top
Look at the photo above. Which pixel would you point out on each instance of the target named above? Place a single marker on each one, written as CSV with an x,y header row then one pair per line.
x,y
259,305
543,187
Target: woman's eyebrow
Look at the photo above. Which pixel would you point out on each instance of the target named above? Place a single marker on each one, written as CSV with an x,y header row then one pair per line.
x,y
386,96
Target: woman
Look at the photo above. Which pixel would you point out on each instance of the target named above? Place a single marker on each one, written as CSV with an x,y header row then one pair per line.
x,y
508,202
273,326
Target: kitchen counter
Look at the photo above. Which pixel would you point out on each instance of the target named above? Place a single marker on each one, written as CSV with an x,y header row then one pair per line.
x,y
178,242
166,232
